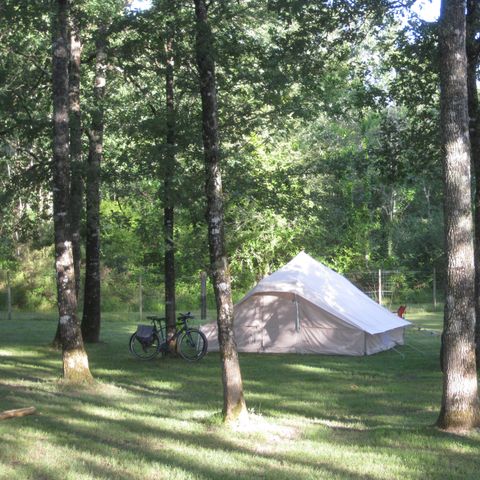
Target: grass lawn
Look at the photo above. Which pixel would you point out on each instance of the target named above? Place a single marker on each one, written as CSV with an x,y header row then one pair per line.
x,y
314,417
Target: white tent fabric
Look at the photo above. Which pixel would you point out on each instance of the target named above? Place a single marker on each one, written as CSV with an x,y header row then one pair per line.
x,y
305,307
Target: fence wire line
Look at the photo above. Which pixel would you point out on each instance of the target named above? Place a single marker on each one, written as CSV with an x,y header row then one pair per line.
x,y
396,286
144,291
135,293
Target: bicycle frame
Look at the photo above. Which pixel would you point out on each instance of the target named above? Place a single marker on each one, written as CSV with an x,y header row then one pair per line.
x,y
160,327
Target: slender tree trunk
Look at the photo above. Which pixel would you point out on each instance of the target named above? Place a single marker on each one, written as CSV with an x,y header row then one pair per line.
x,y
76,193
473,51
459,410
234,407
169,172
91,307
9,298
76,180
75,360
390,219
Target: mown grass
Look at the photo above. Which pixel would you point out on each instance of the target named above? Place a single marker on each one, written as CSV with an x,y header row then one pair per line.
x,y
314,417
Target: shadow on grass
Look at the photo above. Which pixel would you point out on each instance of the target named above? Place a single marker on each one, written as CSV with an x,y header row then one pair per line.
x,y
150,419
94,451
145,440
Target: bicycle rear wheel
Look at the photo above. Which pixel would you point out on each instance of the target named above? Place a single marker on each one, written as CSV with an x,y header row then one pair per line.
x,y
145,350
192,345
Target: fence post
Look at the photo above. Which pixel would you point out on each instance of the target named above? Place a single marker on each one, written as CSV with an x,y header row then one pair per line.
x,y
380,293
434,288
140,294
9,298
203,296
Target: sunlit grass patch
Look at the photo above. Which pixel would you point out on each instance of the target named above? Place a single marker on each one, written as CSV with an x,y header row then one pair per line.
x,y
311,416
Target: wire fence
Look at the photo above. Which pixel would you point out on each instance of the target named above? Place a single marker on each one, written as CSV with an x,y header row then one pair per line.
x,y
138,294
395,287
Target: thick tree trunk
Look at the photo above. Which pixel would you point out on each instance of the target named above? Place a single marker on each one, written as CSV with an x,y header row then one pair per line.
x,y
459,409
169,172
91,307
76,182
234,407
75,360
473,51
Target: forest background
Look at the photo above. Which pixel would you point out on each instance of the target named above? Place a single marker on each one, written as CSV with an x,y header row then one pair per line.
x,y
329,128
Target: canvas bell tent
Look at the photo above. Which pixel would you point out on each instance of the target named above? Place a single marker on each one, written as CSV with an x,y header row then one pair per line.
x,y
305,307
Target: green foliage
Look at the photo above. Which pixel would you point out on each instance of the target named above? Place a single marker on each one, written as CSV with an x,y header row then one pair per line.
x,y
122,248
33,285
328,126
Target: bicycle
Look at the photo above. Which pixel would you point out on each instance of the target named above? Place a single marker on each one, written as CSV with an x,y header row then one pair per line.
x,y
149,340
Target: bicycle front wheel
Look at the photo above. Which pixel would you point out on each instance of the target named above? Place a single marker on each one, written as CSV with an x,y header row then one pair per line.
x,y
192,345
145,350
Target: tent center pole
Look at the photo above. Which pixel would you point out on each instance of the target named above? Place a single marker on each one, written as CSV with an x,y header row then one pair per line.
x,y
297,320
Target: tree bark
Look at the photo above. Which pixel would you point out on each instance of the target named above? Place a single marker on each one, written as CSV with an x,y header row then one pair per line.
x,y
91,308
75,360
169,172
459,410
234,407
473,51
76,182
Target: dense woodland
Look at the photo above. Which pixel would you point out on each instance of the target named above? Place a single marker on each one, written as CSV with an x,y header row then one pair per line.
x,y
328,120
227,137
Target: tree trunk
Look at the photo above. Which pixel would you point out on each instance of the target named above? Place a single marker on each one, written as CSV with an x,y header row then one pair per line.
x,y
91,306
459,410
473,12
76,182
390,221
75,360
234,407
169,172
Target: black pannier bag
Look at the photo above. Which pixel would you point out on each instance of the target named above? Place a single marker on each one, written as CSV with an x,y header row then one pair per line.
x,y
145,334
